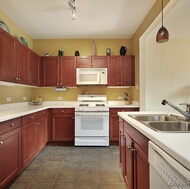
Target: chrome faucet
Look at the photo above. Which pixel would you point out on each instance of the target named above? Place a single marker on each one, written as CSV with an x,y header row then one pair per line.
x,y
186,113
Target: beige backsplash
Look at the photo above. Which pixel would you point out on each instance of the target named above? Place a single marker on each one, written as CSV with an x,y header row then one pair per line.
x,y
17,93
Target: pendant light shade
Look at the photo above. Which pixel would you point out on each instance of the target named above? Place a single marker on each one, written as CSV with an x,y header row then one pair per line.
x,y
163,34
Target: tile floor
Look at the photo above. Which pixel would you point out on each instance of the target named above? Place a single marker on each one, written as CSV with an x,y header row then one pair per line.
x,y
58,167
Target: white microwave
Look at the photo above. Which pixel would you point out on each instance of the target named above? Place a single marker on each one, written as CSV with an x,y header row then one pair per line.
x,y
91,76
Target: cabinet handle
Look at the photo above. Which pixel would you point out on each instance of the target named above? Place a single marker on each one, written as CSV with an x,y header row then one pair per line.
x,y
12,124
1,142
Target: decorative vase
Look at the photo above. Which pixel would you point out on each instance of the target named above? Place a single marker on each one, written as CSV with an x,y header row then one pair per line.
x,y
77,53
93,48
123,50
108,51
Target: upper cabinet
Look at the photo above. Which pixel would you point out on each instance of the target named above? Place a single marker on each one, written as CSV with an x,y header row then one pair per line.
x,y
7,57
22,63
14,59
91,62
121,71
34,68
59,71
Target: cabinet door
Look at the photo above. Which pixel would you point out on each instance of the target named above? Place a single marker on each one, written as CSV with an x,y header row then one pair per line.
x,y
34,63
114,127
41,133
7,57
63,128
22,58
67,71
84,62
50,71
141,167
10,156
121,146
29,142
127,70
113,71
99,61
129,161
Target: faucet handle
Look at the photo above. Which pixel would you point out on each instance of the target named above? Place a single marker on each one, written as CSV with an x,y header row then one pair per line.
x,y
187,106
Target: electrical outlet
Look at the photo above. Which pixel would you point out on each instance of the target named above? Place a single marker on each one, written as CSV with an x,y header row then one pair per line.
x,y
8,99
59,98
120,98
24,98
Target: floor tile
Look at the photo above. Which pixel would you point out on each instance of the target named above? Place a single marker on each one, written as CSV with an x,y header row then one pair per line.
x,y
67,176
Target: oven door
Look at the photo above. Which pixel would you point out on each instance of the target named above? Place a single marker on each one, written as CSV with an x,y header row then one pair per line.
x,y
91,124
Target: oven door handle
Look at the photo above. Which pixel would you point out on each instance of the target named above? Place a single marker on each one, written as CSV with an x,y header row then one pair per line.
x,y
92,114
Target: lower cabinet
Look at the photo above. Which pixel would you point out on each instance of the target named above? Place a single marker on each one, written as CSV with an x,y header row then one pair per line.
x,y
133,156
114,119
63,124
34,135
10,150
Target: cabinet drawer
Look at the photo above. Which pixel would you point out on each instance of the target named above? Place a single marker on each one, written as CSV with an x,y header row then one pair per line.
x,y
60,111
9,125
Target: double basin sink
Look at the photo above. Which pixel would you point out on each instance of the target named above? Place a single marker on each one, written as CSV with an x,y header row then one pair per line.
x,y
163,122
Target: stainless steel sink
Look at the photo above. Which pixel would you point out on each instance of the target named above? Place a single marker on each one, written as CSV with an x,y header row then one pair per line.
x,y
156,117
163,122
169,126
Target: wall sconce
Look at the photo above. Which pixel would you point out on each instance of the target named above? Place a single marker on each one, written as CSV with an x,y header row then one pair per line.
x,y
163,34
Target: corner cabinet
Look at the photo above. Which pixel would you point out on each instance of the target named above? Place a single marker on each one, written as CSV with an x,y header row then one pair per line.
x,y
114,120
10,150
133,156
63,124
121,71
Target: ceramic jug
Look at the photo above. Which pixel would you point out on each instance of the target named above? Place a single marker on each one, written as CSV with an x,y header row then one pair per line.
x,y
123,50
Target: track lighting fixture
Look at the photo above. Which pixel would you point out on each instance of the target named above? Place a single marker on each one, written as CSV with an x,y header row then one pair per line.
x,y
163,34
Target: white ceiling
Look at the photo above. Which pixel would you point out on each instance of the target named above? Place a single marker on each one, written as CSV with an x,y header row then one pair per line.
x,y
96,19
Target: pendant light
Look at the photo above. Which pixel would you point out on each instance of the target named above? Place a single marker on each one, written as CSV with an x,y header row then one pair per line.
x,y
163,34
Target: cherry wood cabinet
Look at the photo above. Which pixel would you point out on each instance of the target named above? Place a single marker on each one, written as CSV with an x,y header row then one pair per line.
x,y
7,57
34,68
59,71
67,71
22,63
91,61
50,71
10,150
114,122
121,71
34,135
134,156
63,124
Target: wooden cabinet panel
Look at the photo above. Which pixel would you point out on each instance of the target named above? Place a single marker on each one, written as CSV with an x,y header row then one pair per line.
x,y
67,71
34,69
10,156
22,65
99,61
63,124
7,57
84,62
50,71
121,71
9,125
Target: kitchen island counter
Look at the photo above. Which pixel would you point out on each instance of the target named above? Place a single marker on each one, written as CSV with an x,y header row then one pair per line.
x,y
175,144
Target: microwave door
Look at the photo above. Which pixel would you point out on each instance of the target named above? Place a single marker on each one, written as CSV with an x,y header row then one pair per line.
x,y
88,78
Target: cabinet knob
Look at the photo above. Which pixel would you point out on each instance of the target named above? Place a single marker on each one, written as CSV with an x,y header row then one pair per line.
x,y
31,117
38,123
60,83
1,142
43,113
121,83
62,111
19,79
57,84
31,82
118,83
133,149
129,147
73,118
12,124
16,78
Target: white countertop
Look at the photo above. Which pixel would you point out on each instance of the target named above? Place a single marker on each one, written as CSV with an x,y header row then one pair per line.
x,y
175,144
10,111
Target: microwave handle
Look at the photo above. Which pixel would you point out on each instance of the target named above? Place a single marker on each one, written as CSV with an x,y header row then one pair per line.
x,y
99,77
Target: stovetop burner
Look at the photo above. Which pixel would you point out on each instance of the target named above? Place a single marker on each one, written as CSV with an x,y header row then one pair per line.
x,y
100,104
83,104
